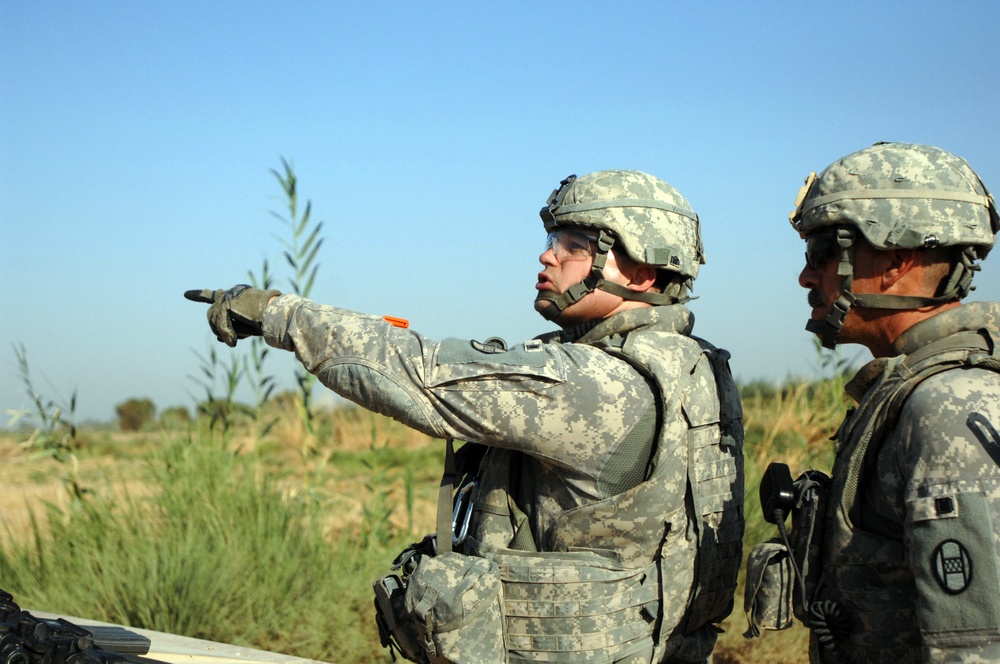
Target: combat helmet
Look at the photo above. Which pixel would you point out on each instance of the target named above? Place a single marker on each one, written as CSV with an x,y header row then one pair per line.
x,y
643,215
897,196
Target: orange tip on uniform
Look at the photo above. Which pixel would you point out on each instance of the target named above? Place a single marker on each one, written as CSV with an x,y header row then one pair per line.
x,y
397,322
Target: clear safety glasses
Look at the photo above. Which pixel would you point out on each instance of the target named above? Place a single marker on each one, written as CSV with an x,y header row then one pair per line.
x,y
570,245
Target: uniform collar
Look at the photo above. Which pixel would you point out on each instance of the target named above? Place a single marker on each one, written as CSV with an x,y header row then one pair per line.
x,y
865,378
675,318
968,317
965,318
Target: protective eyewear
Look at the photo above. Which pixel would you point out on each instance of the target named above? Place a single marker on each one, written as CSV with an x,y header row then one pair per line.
x,y
820,248
570,245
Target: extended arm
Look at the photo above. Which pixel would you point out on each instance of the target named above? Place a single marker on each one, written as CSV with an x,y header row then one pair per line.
x,y
562,402
566,404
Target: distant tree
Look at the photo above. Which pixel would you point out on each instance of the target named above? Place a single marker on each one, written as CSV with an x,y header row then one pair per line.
x,y
176,417
135,413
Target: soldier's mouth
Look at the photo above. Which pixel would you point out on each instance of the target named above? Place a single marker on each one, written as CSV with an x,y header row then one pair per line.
x,y
815,299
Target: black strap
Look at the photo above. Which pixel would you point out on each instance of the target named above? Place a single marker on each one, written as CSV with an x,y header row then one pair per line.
x,y
445,494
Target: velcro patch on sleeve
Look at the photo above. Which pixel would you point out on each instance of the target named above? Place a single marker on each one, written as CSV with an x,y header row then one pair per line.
x,y
955,567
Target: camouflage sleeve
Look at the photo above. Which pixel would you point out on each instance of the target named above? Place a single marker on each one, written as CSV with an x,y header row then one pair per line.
x,y
947,461
559,402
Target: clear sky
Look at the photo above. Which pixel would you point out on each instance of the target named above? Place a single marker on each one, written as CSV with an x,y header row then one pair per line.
x,y
137,139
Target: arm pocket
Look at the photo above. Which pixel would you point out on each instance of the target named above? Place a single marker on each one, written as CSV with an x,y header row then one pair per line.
x,y
461,364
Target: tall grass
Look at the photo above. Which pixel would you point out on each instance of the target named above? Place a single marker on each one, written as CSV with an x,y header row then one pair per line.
x,y
277,551
54,432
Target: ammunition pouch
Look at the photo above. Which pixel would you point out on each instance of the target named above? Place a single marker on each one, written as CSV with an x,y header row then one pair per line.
x,y
455,603
441,608
769,587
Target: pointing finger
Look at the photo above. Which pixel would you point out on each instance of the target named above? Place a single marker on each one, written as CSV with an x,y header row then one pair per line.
x,y
206,295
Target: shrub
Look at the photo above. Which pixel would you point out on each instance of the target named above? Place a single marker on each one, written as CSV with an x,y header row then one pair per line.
x,y
175,418
134,414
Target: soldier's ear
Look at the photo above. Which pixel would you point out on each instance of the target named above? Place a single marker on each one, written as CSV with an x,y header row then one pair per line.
x,y
898,263
642,278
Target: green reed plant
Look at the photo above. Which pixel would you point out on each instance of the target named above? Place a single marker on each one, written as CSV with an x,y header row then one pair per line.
x,y
263,384
222,411
301,250
54,432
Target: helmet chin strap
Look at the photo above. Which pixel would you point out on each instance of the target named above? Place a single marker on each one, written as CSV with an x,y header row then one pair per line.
x,y
828,328
596,281
957,286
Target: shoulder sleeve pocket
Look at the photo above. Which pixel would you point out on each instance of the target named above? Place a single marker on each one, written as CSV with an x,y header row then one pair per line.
x,y
954,562
466,362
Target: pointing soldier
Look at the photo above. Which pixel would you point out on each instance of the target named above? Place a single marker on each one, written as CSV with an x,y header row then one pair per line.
x,y
907,567
609,499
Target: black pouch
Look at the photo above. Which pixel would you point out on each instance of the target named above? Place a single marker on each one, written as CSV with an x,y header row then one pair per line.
x,y
394,629
812,489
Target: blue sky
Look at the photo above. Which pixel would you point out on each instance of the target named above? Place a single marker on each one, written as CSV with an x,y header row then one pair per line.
x,y
137,139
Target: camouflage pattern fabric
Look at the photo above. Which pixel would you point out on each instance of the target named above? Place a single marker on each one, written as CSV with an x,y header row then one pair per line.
x,y
913,525
621,534
455,601
567,407
769,586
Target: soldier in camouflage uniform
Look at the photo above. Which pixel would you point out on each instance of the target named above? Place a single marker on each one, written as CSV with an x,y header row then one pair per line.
x,y
909,565
610,495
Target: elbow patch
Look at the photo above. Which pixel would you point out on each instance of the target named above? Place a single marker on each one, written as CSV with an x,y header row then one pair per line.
x,y
373,390
955,566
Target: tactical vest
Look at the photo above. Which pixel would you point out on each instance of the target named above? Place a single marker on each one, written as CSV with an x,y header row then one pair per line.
x,y
643,575
865,574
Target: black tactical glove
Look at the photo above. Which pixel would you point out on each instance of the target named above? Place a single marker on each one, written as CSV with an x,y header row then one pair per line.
x,y
236,313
